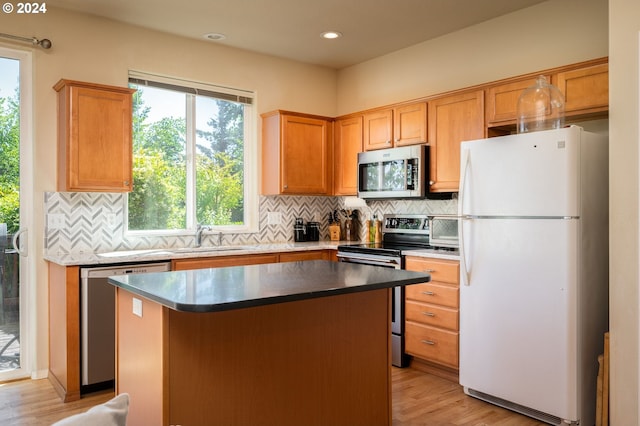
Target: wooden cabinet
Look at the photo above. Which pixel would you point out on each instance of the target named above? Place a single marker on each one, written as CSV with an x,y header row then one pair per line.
x,y
296,154
64,331
94,137
432,312
502,101
222,261
378,129
452,119
410,124
586,90
399,126
296,256
347,145
252,259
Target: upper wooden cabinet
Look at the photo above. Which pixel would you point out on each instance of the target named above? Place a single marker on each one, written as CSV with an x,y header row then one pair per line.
x,y
378,130
502,101
410,124
94,137
585,90
296,154
347,145
452,119
399,126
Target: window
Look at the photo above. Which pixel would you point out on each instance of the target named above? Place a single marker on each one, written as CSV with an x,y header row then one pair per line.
x,y
193,157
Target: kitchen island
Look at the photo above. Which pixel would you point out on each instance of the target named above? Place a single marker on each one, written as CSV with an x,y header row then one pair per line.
x,y
275,344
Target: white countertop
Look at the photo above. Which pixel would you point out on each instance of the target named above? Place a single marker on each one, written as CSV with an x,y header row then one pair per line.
x,y
160,254
164,254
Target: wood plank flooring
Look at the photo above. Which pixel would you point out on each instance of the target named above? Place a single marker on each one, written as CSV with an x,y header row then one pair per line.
x,y
418,399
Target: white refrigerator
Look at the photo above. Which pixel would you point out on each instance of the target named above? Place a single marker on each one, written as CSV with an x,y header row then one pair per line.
x,y
534,271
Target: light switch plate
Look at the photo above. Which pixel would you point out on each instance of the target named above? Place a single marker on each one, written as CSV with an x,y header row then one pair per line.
x,y
274,218
137,307
55,221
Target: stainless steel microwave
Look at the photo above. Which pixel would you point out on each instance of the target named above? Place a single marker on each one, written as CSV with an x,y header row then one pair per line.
x,y
393,172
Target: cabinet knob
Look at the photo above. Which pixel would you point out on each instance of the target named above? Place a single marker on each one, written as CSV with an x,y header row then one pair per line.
x,y
428,342
388,142
429,314
126,183
431,182
428,293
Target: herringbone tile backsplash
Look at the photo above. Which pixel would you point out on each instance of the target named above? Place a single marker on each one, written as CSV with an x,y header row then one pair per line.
x,y
95,222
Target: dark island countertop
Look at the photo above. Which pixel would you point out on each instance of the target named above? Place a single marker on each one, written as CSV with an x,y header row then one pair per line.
x,y
221,289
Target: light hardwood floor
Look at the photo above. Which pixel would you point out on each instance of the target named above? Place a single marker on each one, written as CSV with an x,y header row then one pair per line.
x,y
418,399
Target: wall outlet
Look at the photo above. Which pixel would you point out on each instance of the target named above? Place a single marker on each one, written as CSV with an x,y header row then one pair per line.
x,y
274,218
111,219
137,307
55,221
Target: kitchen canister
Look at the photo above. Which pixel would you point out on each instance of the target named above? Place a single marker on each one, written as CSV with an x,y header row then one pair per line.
x,y
313,231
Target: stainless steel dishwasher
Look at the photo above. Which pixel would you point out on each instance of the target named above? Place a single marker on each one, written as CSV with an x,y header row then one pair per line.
x,y
97,321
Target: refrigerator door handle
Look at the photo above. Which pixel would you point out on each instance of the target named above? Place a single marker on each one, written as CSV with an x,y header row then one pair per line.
x,y
465,276
464,273
463,179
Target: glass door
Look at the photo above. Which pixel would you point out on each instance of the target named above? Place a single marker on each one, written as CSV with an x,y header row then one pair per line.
x,y
13,236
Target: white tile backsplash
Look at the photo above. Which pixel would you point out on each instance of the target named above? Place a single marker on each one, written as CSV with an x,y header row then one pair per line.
x,y
95,222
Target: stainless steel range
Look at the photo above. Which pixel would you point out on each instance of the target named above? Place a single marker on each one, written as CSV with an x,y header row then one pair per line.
x,y
400,232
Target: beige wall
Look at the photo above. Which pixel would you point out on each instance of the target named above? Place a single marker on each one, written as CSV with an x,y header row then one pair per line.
x,y
550,34
624,16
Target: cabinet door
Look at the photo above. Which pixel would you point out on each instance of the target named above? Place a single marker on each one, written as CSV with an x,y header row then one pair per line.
x,y
305,255
586,90
378,130
95,138
305,156
502,101
452,119
410,124
222,261
348,143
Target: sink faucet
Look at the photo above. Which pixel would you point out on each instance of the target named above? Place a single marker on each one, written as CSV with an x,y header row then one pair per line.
x,y
199,230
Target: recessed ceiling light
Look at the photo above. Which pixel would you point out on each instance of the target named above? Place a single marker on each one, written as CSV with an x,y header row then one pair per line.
x,y
215,36
331,34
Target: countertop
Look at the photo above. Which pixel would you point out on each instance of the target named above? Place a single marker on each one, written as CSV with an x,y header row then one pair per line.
x,y
236,287
164,254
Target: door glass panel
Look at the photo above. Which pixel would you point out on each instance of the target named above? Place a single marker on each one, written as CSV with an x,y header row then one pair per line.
x,y
9,214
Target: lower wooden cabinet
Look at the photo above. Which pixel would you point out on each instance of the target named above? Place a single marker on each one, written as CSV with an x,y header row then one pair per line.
x,y
432,312
222,261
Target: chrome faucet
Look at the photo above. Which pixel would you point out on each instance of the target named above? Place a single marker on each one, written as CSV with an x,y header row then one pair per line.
x,y
199,230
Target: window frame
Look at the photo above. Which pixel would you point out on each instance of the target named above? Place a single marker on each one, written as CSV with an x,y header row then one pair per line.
x,y
250,161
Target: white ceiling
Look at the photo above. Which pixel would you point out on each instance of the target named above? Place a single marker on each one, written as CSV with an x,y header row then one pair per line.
x,y
291,28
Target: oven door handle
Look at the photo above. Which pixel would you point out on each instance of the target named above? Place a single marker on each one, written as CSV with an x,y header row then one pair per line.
x,y
369,260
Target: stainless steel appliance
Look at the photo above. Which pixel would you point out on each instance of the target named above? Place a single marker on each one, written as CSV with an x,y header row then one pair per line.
x,y
443,231
399,232
97,321
393,173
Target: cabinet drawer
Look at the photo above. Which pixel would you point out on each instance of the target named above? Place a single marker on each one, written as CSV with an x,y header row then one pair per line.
x,y
433,293
430,343
433,315
442,270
